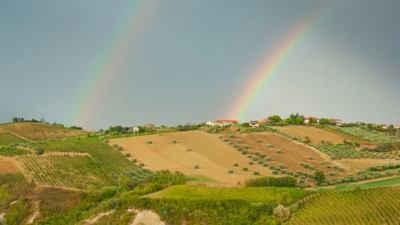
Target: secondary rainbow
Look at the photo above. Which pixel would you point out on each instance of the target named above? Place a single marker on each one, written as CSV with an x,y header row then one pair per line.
x,y
258,80
110,63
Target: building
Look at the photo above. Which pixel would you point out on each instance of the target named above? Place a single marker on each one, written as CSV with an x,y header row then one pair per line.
x,y
221,123
134,129
254,124
337,122
310,119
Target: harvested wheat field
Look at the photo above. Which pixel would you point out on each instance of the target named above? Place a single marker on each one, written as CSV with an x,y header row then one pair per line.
x,y
317,135
194,153
8,166
286,153
39,131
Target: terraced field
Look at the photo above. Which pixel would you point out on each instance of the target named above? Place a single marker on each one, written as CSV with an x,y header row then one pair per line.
x,y
369,206
100,167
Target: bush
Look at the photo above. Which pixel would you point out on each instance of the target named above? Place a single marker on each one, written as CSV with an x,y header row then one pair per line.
x,y
39,151
319,176
286,181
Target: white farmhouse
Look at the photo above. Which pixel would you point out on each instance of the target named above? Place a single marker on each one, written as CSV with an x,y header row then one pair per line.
x,y
135,129
221,123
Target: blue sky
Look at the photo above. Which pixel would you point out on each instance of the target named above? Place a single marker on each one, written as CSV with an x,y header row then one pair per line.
x,y
188,62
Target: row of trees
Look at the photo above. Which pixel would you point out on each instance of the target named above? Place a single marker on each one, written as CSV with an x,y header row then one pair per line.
x,y
297,119
21,119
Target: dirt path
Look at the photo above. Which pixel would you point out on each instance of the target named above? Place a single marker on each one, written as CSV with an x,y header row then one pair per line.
x,y
96,218
147,217
35,214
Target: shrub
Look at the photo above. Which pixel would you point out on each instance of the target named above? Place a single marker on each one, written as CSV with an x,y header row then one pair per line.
x,y
196,167
230,171
149,142
236,164
286,181
319,176
39,151
245,169
256,173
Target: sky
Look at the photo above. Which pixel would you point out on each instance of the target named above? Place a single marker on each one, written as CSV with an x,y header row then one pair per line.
x,y
97,63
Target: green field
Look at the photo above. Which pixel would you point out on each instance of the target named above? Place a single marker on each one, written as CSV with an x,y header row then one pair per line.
x,y
7,138
381,183
369,206
100,167
251,194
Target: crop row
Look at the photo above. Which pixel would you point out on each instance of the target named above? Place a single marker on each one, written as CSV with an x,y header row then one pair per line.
x,y
369,206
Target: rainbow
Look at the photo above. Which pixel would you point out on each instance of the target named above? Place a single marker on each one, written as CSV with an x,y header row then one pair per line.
x,y
257,81
106,70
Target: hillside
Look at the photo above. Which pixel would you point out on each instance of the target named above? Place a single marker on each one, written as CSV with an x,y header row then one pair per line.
x,y
37,131
184,151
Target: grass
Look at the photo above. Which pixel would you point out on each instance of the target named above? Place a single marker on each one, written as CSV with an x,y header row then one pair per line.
x,y
12,151
251,194
7,138
373,184
202,179
365,206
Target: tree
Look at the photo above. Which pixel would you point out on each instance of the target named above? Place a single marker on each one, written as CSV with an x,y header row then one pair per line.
x,y
296,119
319,176
325,121
275,119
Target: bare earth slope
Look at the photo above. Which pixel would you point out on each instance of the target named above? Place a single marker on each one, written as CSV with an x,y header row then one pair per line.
x,y
213,157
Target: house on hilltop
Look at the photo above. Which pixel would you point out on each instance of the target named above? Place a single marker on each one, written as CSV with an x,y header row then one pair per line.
x,y
337,122
310,119
221,123
134,129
